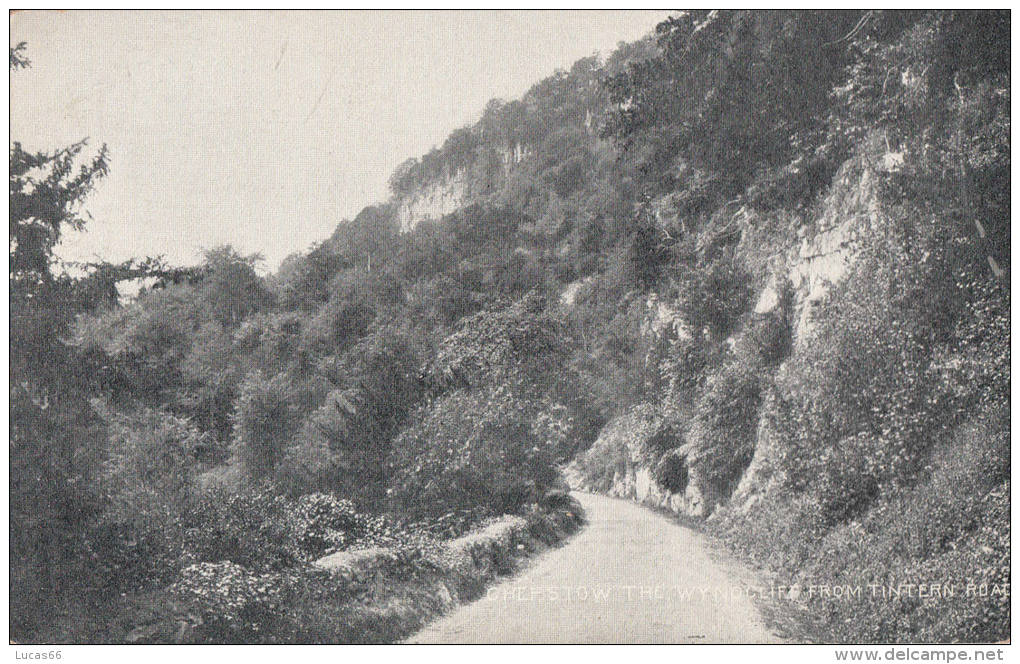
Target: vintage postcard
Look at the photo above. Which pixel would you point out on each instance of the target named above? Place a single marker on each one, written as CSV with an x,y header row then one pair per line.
x,y
511,327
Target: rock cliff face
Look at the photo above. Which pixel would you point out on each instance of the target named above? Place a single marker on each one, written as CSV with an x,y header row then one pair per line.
x,y
637,484
628,437
432,201
445,195
819,261
825,247
820,257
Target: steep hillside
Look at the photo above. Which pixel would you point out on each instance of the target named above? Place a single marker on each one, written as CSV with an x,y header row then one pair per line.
x,y
786,286
753,269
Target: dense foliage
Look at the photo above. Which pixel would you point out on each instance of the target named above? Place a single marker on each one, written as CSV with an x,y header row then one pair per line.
x,y
622,282
812,415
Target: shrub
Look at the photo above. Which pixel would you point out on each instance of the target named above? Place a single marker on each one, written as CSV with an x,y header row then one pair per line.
x,y
623,365
146,340
865,377
948,502
554,426
443,300
272,341
252,528
325,523
150,450
134,548
569,420
685,366
607,458
665,437
452,524
310,461
263,420
343,445
211,371
338,324
713,296
236,606
476,447
767,339
645,252
137,541
723,432
848,480
951,526
671,472
557,499
516,345
974,368
639,435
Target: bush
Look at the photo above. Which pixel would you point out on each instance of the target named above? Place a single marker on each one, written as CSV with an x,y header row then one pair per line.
x,y
443,300
723,433
211,371
311,461
264,418
849,479
557,499
343,445
337,325
252,528
974,368
150,450
624,360
865,378
639,435
712,297
135,548
267,532
137,542
236,606
948,503
671,472
472,448
516,344
325,523
146,340
272,341
767,339
951,526
684,368
606,459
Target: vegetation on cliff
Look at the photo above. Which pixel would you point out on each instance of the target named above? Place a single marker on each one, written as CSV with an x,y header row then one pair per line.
x,y
635,244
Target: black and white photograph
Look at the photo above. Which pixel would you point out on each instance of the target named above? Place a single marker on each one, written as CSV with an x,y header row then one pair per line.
x,y
510,327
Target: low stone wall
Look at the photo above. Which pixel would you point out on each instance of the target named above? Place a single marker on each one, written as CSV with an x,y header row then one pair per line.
x,y
628,433
636,484
501,538
468,565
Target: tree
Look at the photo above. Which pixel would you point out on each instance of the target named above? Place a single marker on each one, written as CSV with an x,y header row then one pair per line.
x,y
645,252
472,448
53,433
731,88
230,288
46,192
344,444
264,418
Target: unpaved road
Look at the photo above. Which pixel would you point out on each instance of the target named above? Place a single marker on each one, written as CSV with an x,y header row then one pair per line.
x,y
631,576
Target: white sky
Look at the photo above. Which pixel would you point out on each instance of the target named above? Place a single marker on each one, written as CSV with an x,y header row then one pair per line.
x,y
265,129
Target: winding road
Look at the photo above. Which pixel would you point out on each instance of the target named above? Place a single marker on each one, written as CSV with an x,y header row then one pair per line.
x,y
631,576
